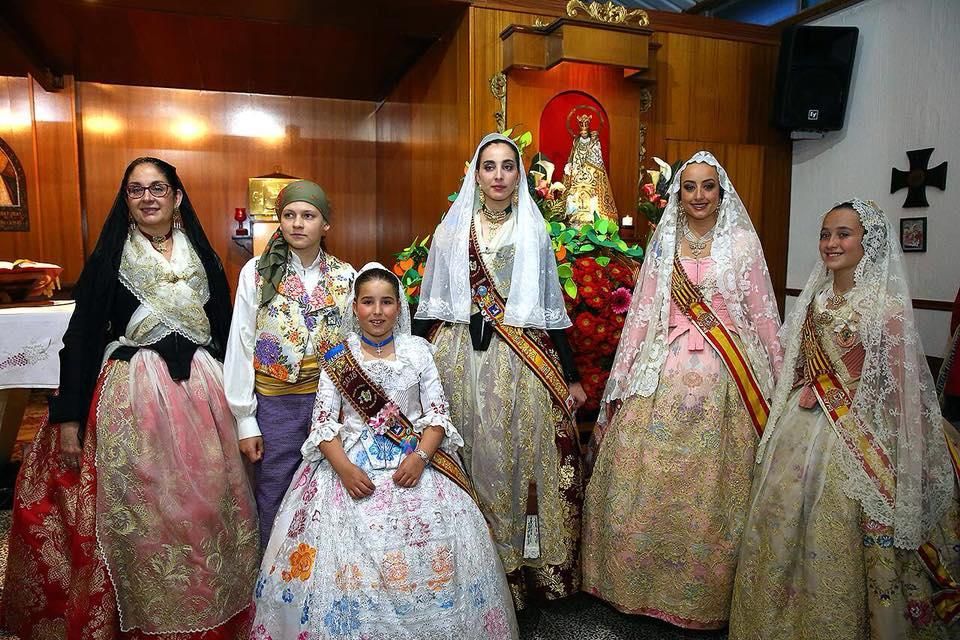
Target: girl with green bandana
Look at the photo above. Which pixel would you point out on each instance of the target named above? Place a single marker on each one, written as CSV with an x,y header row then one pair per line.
x,y
287,313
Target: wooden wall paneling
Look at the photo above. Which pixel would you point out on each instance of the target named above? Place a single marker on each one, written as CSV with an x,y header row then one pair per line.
x,y
39,128
487,60
777,174
16,128
394,175
744,164
215,140
762,63
717,90
423,140
529,91
58,221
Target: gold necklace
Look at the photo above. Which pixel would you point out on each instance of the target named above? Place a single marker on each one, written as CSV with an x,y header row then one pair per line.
x,y
159,243
495,218
836,301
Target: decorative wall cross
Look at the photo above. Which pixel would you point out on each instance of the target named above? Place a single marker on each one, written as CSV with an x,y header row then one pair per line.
x,y
918,178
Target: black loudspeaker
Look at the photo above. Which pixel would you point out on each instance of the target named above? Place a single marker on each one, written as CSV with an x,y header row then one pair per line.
x,y
813,77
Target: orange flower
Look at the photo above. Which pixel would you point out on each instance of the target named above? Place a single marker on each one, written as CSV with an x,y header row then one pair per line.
x,y
301,563
561,253
397,269
406,264
278,371
348,577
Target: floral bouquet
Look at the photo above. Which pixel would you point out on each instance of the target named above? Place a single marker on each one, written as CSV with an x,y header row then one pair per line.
x,y
598,311
654,187
409,268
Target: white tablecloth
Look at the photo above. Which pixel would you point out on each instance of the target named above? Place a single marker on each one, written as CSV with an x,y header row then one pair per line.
x,y
30,343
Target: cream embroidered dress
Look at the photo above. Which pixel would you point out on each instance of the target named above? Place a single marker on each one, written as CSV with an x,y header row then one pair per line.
x,y
514,433
414,563
509,425
822,556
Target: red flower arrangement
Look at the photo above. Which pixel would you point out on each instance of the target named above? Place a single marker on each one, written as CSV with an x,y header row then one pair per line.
x,y
598,313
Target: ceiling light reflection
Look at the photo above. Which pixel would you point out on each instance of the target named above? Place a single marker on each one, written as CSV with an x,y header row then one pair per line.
x,y
14,120
105,124
254,123
188,128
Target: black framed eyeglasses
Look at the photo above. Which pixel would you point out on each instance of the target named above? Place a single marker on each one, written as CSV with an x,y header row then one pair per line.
x,y
157,190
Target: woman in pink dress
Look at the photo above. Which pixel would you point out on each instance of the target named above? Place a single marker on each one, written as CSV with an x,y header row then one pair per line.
x,y
682,411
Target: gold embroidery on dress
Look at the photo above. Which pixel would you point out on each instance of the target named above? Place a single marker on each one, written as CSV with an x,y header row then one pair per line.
x,y
166,581
517,392
175,298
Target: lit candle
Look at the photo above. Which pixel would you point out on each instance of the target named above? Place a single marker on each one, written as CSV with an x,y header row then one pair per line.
x,y
626,221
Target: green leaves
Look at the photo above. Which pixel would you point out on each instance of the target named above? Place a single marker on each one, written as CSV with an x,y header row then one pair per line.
x,y
570,243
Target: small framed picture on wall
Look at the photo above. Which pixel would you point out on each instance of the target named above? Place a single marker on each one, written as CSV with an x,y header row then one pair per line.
x,y
913,234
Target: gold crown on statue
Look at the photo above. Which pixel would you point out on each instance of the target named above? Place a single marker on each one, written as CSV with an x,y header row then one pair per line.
x,y
584,120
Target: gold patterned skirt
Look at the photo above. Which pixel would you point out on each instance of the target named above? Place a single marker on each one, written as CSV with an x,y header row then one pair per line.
x,y
666,504
155,535
514,434
812,566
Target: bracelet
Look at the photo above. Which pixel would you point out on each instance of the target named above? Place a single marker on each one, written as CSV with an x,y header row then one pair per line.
x,y
423,455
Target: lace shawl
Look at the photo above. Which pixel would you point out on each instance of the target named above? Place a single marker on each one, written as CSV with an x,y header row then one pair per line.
x,y
174,291
742,279
895,400
535,298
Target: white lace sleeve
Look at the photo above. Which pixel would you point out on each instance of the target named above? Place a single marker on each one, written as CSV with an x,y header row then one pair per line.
x,y
434,405
324,424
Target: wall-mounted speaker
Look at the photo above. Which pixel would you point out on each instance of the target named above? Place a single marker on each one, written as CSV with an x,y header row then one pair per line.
x,y
813,77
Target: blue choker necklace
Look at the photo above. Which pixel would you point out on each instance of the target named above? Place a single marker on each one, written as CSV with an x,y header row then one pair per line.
x,y
376,345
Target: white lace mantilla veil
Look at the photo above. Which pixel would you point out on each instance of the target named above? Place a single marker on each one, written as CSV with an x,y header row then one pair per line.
x,y
741,272
350,324
895,399
535,298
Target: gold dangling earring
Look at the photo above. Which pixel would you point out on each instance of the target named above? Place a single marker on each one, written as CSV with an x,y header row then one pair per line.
x,y
516,198
483,198
177,219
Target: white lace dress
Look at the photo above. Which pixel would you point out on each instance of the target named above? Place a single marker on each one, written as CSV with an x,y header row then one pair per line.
x,y
401,563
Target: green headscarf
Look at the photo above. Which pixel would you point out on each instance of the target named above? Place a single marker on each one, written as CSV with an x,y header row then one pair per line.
x,y
272,265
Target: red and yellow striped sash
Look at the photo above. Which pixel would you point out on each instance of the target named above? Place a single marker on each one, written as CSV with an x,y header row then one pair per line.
x,y
946,602
835,400
532,345
368,398
691,301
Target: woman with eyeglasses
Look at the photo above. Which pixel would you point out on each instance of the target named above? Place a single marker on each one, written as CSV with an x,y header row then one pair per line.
x,y
133,515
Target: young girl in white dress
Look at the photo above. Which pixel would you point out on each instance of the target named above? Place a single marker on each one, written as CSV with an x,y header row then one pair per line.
x,y
379,535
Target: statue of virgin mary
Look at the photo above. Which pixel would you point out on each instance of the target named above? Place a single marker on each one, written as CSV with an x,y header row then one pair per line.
x,y
588,187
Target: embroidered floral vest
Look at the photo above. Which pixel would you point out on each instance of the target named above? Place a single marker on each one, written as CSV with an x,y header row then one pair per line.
x,y
296,317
